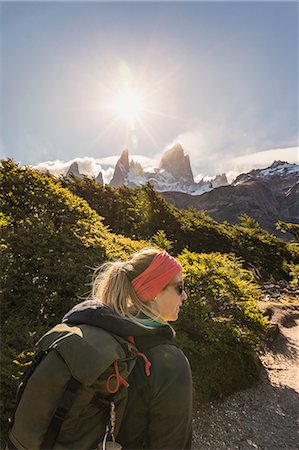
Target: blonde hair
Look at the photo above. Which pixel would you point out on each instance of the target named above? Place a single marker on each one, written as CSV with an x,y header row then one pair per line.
x,y
112,286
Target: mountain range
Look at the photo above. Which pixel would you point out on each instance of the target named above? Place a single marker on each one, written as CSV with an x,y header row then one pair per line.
x,y
267,195
173,174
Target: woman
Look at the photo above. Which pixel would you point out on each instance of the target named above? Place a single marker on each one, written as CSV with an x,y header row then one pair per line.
x,y
158,415
135,300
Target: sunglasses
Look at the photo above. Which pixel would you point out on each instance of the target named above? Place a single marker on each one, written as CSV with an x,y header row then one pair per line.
x,y
178,287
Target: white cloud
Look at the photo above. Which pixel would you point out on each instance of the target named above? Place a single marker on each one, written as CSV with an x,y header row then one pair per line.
x,y
214,149
92,166
87,166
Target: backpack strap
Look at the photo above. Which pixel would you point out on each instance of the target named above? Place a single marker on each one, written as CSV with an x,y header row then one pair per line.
x,y
64,405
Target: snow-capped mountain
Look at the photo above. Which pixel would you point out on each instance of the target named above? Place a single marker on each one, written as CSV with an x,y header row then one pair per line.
x,y
127,172
173,174
267,195
287,173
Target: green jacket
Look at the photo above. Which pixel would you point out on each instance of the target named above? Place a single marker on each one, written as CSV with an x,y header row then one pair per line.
x,y
154,412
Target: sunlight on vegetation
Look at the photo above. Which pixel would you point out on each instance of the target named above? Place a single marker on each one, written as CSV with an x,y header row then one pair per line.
x,y
55,232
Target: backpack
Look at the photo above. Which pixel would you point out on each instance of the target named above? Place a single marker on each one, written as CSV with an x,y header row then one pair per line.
x,y
75,392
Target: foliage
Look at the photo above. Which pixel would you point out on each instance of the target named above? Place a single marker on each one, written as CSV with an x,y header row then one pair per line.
x,y
141,213
50,242
248,222
51,239
292,228
160,239
294,275
219,326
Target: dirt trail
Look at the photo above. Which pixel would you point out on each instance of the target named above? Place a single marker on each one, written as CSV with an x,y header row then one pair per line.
x,y
264,417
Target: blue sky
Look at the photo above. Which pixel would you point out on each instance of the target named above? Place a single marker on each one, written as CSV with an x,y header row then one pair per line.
x,y
221,78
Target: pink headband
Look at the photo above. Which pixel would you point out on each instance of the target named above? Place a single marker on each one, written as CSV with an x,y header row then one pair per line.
x,y
158,274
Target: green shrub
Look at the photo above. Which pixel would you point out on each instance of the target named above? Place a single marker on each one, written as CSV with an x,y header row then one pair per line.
x,y
219,326
141,213
50,242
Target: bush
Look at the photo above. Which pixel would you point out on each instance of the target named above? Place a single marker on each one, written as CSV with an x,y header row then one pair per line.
x,y
219,326
50,242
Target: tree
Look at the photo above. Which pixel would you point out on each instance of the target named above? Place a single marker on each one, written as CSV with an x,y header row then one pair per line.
x,y
292,228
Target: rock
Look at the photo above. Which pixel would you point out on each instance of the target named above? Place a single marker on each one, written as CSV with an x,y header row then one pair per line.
x,y
99,178
267,195
175,162
73,170
121,170
220,180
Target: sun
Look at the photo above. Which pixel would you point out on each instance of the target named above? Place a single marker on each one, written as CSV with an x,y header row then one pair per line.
x,y
129,105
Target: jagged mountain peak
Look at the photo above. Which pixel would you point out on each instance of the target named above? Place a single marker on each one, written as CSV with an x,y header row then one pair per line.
x,y
176,163
99,178
278,164
121,169
124,158
174,174
73,170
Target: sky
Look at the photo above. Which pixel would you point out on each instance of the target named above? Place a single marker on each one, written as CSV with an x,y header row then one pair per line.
x,y
221,78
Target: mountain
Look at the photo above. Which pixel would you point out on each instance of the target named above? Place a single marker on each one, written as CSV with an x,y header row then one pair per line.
x,y
267,195
127,172
99,178
177,164
173,174
121,170
73,170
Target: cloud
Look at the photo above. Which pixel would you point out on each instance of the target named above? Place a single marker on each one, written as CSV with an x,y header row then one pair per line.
x,y
209,147
215,149
92,166
87,166
262,159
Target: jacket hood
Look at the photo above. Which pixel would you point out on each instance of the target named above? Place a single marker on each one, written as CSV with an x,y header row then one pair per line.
x,y
92,312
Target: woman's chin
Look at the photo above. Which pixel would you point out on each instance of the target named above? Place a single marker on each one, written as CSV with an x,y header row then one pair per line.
x,y
174,317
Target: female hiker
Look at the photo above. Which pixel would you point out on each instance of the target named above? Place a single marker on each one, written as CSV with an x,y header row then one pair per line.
x,y
129,381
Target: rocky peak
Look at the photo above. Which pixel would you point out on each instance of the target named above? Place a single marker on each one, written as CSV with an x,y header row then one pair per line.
x,y
121,169
278,164
73,170
99,178
279,172
219,180
175,162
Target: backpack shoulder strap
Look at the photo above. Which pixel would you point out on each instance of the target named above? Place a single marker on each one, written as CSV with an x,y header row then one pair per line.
x,y
64,405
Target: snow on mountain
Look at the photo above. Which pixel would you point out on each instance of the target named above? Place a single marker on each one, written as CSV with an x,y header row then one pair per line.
x,y
173,174
267,195
163,181
277,169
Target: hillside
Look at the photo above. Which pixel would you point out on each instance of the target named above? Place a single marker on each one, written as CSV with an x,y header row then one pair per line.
x,y
142,212
267,195
51,241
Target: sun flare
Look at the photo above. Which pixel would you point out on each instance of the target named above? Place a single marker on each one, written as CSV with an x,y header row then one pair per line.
x,y
129,105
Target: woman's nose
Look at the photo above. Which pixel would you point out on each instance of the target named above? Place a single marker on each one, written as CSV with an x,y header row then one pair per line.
x,y
184,296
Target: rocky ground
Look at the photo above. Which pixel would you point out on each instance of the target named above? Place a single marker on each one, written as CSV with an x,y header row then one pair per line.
x,y
264,417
